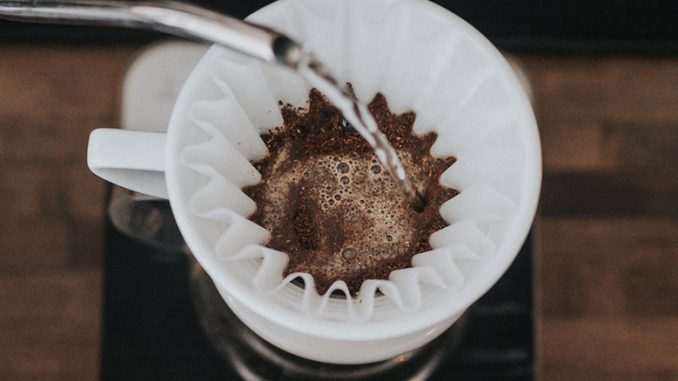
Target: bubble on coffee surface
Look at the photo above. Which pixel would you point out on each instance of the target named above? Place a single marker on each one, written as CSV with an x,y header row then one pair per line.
x,y
349,253
343,167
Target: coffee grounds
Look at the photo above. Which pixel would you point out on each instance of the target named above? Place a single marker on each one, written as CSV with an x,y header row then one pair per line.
x,y
332,207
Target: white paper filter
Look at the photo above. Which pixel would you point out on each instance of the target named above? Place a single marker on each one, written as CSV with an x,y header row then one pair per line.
x,y
420,62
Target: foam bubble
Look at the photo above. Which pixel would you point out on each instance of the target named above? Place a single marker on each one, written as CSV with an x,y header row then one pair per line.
x,y
343,167
349,253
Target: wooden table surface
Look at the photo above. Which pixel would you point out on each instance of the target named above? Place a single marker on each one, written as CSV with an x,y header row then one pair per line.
x,y
608,227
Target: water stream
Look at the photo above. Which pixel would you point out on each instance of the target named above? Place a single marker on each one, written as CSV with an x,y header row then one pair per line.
x,y
358,115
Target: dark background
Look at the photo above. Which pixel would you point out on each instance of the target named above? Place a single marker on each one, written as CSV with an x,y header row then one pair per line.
x,y
535,26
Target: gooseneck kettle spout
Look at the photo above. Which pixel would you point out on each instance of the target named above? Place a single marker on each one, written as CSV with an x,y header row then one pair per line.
x,y
171,17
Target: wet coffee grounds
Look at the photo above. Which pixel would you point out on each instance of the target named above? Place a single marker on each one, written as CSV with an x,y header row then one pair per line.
x,y
332,207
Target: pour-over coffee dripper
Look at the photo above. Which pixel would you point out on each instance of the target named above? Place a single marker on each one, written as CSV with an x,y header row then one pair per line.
x,y
279,318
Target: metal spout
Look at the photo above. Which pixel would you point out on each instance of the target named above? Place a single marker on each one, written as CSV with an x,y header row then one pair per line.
x,y
171,17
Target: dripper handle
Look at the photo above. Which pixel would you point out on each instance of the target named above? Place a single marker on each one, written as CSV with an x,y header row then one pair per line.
x,y
131,159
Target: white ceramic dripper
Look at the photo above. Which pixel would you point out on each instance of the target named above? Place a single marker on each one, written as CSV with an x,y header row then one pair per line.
x,y
422,58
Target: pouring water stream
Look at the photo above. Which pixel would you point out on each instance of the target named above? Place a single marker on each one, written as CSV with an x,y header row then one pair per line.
x,y
252,40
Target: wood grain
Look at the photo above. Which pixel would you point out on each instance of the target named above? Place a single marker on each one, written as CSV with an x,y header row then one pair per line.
x,y
608,227
623,193
611,348
51,206
609,234
591,110
609,267
50,325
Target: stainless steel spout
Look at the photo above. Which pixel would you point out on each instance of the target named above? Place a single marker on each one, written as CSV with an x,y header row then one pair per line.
x,y
171,17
